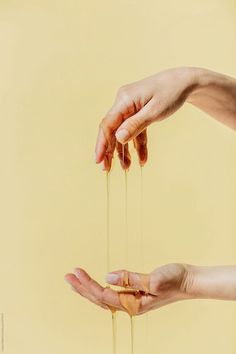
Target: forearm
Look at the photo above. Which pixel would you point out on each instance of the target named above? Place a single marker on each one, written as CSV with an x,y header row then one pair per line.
x,y
214,94
211,282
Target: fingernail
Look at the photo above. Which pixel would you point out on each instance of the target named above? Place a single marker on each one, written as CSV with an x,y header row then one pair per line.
x,y
112,278
102,166
122,135
77,273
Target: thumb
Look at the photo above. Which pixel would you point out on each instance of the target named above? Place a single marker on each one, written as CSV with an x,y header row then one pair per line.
x,y
126,279
135,124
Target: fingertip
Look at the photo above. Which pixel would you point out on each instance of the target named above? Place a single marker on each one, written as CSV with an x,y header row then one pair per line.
x,y
97,158
142,163
143,155
102,166
67,277
125,165
106,163
123,136
81,275
78,271
100,148
70,278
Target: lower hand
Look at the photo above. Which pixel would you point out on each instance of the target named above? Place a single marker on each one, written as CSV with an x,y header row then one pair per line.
x,y
142,292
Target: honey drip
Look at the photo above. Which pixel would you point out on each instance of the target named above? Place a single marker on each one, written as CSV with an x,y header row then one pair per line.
x,y
108,219
113,311
114,331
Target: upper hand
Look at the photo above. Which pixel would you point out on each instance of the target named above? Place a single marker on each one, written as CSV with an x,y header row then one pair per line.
x,y
136,106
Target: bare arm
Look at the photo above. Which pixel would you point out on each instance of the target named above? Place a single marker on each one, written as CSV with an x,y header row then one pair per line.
x,y
211,282
215,94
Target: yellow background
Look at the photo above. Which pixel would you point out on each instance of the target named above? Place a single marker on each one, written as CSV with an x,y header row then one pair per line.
x,y
61,63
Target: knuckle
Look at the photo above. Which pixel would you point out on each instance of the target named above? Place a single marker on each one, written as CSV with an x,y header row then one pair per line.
x,y
124,92
135,124
122,89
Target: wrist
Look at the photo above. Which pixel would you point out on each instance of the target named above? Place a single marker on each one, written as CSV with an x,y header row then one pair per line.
x,y
198,78
202,79
191,79
189,282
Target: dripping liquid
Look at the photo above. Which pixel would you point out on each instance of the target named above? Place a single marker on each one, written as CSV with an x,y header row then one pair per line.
x,y
126,220
132,318
108,219
141,218
125,207
142,245
114,326
113,312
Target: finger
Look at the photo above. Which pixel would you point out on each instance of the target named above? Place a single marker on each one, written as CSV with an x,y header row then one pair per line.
x,y
124,155
101,146
110,153
88,283
107,128
105,150
137,281
140,143
78,287
96,293
123,108
134,125
73,281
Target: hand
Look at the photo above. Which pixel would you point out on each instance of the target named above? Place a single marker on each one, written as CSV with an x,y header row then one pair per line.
x,y
142,292
137,105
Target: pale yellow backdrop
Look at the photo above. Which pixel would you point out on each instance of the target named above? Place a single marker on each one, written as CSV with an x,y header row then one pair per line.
x,y
61,63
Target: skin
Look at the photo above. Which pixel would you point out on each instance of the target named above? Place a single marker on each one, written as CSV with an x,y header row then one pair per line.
x,y
167,284
155,98
137,106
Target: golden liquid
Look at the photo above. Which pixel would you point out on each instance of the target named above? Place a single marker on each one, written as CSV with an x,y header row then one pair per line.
x,y
141,218
126,221
125,209
114,330
113,312
142,246
146,332
108,219
132,333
